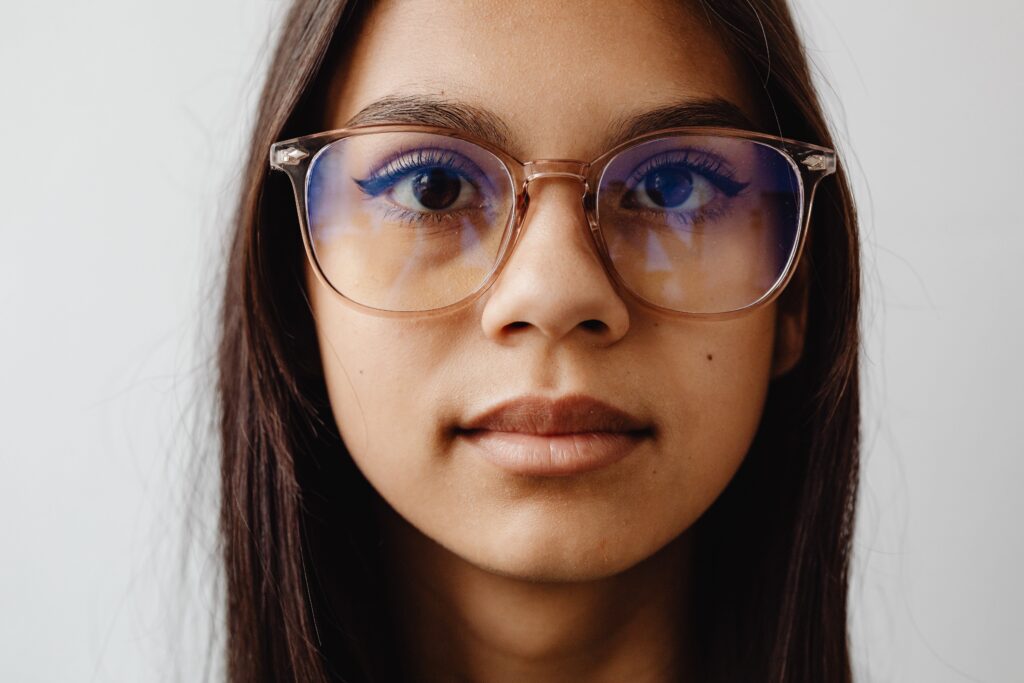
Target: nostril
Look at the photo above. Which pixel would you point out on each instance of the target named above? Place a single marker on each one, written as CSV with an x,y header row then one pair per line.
x,y
592,325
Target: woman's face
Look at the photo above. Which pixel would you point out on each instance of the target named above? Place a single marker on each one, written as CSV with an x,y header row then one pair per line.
x,y
476,426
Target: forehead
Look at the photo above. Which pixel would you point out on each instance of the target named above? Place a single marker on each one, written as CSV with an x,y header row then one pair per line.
x,y
557,78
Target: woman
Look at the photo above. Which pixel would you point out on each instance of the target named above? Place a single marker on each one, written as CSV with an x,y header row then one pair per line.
x,y
488,416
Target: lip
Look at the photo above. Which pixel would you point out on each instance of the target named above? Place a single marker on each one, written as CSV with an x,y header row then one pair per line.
x,y
537,436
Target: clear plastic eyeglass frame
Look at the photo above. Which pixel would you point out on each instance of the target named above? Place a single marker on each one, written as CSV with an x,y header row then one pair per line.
x,y
811,163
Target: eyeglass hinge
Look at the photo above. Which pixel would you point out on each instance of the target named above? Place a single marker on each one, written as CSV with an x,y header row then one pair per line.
x,y
818,162
288,156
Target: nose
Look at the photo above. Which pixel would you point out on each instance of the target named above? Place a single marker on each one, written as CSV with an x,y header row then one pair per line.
x,y
554,284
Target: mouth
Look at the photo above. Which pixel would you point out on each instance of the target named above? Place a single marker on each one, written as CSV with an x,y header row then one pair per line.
x,y
536,436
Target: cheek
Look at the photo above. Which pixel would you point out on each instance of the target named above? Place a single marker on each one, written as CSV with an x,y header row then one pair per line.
x,y
715,388
386,379
722,381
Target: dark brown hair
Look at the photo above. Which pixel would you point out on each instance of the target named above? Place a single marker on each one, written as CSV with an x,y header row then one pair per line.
x,y
305,600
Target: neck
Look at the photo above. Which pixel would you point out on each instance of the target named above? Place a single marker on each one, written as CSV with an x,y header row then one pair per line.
x,y
460,622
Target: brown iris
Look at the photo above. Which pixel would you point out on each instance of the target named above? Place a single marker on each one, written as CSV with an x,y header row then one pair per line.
x,y
436,189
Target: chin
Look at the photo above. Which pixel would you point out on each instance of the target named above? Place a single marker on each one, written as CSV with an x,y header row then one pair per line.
x,y
563,568
561,551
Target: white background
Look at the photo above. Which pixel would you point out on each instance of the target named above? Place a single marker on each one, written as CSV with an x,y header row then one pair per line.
x,y
122,123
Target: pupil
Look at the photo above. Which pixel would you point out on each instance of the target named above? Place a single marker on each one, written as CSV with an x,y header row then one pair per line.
x,y
669,187
436,189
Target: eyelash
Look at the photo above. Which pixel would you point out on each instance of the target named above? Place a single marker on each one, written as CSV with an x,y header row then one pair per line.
x,y
707,164
402,164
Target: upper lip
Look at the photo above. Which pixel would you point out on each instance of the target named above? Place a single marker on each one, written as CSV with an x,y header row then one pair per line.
x,y
574,414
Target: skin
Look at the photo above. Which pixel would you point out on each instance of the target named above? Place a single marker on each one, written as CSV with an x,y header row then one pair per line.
x,y
506,577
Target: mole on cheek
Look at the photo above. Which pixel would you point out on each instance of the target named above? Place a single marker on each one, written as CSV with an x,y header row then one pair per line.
x,y
710,356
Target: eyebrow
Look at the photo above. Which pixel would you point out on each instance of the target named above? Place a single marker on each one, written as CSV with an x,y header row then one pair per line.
x,y
431,110
434,110
713,111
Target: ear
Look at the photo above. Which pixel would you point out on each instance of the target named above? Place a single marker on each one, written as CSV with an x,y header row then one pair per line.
x,y
791,322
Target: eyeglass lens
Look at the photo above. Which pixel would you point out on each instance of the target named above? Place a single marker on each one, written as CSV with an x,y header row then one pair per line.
x,y
408,221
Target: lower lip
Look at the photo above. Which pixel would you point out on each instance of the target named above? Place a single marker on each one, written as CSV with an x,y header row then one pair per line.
x,y
556,455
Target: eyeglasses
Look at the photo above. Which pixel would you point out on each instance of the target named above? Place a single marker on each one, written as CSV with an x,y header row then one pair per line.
x,y
408,219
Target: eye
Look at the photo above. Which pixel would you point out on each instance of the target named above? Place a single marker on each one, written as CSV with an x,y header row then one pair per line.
x,y
672,187
682,185
432,189
426,182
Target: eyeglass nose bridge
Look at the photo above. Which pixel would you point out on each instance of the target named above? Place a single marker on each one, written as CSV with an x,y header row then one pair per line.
x,y
556,168
571,169
559,168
